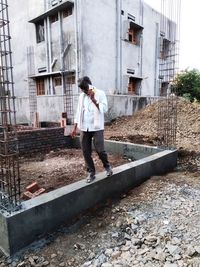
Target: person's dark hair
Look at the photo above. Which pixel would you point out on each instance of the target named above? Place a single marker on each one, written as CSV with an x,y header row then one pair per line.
x,y
84,82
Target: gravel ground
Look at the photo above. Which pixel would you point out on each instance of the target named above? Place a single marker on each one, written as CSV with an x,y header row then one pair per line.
x,y
155,224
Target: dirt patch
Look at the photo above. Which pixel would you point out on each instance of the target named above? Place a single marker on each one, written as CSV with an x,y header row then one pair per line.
x,y
60,168
142,126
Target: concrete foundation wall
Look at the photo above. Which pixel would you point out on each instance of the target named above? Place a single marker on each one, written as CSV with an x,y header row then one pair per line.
x,y
46,212
4,235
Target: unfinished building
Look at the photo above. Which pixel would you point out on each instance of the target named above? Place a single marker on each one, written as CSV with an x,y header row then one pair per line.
x,y
124,46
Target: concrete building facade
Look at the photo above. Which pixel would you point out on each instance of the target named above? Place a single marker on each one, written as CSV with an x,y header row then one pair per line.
x,y
116,43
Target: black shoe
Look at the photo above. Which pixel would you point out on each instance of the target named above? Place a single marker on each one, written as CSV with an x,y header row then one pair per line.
x,y
90,178
109,171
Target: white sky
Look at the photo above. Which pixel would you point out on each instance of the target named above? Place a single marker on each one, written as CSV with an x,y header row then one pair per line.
x,y
189,55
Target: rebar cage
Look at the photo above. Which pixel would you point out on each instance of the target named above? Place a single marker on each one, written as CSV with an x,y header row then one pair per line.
x,y
9,155
167,121
168,68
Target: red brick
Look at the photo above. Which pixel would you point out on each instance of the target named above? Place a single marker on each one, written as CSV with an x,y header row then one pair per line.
x,y
39,192
27,195
32,187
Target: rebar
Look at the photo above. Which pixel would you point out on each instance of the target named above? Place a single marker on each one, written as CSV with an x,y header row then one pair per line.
x,y
9,153
167,121
168,68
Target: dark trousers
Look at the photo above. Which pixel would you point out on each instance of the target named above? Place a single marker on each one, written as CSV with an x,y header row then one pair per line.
x,y
86,146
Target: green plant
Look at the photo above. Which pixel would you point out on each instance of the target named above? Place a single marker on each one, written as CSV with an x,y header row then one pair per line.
x,y
187,84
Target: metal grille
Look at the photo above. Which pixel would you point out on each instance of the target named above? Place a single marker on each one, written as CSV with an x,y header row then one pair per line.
x,y
68,102
68,97
9,156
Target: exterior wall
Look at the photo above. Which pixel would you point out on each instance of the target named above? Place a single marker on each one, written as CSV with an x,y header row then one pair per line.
x,y
96,35
50,108
22,35
99,43
150,61
22,108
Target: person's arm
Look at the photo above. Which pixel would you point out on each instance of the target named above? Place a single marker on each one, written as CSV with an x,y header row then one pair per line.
x,y
76,119
103,103
91,95
74,131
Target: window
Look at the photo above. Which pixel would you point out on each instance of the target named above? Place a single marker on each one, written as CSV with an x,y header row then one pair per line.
x,y
134,86
53,18
40,86
57,81
165,49
134,33
40,32
71,79
67,12
164,88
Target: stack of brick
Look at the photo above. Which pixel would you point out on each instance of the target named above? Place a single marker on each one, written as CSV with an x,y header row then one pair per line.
x,y
42,140
33,190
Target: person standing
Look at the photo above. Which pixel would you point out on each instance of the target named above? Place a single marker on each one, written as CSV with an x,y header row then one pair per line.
x,y
92,104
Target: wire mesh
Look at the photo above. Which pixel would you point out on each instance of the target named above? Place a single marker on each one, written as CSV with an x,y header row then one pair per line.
x,y
9,156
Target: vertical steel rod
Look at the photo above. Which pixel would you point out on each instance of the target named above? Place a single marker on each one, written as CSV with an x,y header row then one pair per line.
x,y
9,155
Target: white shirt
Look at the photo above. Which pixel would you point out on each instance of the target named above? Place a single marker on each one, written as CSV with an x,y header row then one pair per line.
x,y
88,116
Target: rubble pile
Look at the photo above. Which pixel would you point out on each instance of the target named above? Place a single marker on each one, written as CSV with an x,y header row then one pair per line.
x,y
142,126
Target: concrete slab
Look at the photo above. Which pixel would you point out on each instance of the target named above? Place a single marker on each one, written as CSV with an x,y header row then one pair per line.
x,y
46,212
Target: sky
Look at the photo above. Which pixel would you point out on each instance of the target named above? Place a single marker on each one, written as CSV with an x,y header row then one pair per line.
x,y
189,54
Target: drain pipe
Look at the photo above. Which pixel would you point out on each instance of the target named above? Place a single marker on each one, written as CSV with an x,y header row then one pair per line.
x,y
156,61
118,46
62,69
141,40
49,54
78,37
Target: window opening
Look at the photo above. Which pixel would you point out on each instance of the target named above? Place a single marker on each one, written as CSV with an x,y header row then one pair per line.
x,y
57,81
40,86
164,88
40,32
134,33
165,48
134,86
53,18
67,12
71,79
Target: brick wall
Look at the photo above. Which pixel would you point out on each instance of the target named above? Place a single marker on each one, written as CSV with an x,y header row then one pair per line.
x,y
42,140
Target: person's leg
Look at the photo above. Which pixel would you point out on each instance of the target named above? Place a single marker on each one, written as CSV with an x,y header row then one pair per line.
x,y
86,146
99,147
